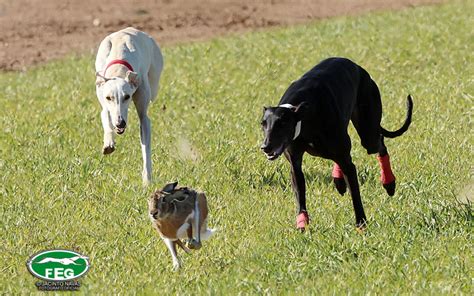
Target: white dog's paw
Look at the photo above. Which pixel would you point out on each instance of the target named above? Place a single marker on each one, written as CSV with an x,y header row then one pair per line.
x,y
108,149
146,182
146,178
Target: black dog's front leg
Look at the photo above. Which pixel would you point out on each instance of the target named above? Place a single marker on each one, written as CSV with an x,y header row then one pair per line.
x,y
295,157
350,174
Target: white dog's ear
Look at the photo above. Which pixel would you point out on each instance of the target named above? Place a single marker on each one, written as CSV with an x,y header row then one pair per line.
x,y
132,78
99,79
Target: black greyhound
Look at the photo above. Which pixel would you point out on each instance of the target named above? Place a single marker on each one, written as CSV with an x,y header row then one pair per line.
x,y
313,116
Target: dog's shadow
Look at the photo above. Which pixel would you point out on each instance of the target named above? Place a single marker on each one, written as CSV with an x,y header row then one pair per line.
x,y
282,178
316,175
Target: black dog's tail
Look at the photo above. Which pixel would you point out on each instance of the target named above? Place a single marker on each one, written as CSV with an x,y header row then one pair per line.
x,y
406,124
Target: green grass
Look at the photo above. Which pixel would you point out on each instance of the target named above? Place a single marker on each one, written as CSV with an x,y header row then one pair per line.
x,y
58,191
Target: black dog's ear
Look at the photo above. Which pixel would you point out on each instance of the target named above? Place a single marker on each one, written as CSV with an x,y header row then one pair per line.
x,y
170,187
300,110
265,109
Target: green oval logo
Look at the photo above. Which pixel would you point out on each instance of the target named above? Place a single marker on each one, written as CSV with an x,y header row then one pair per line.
x,y
58,265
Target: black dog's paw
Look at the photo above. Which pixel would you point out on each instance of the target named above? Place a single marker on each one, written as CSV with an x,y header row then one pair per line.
x,y
361,225
361,228
390,188
340,184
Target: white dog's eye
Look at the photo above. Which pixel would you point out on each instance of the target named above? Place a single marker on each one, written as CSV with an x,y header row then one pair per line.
x,y
126,97
108,98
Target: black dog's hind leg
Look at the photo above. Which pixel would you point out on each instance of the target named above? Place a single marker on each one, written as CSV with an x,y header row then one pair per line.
x,y
295,157
338,178
350,174
386,175
366,118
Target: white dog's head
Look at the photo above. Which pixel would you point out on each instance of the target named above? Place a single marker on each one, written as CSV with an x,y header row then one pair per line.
x,y
115,94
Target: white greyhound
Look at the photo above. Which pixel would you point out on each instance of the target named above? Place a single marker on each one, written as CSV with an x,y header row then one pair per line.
x,y
128,65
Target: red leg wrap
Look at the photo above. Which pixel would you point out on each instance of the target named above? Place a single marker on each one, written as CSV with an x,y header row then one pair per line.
x,y
337,172
386,174
302,220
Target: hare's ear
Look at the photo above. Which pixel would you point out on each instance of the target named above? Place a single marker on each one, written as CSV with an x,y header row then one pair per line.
x,y
169,187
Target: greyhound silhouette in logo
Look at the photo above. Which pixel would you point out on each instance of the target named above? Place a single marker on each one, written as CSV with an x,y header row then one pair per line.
x,y
63,261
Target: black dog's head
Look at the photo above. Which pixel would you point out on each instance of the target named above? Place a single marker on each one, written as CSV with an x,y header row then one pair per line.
x,y
279,125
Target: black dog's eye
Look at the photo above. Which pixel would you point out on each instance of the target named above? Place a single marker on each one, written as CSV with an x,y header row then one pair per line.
x,y
108,98
126,97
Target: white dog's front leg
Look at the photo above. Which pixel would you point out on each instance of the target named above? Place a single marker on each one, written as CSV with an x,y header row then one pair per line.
x,y
145,134
109,142
145,140
141,100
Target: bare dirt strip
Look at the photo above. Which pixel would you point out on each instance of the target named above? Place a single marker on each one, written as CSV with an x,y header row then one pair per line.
x,y
36,31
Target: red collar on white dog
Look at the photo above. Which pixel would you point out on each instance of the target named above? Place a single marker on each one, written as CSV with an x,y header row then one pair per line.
x,y
121,62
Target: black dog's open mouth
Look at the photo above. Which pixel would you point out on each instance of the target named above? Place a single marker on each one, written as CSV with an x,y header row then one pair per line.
x,y
272,156
119,130
275,154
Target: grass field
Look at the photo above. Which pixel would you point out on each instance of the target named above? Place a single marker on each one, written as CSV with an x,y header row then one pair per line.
x,y
58,191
